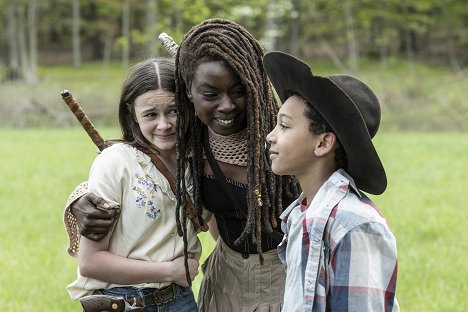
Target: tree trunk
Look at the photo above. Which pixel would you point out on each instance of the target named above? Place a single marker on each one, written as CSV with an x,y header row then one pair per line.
x,y
407,37
95,37
126,34
13,70
76,34
151,20
22,46
350,36
107,53
382,40
178,20
295,26
32,30
269,37
452,55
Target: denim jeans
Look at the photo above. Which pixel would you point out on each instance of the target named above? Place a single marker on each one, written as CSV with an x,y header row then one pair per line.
x,y
183,302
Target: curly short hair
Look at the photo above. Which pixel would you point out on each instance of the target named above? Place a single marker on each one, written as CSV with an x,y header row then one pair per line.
x,y
318,125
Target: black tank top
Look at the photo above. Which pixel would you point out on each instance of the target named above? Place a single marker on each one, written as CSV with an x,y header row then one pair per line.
x,y
230,222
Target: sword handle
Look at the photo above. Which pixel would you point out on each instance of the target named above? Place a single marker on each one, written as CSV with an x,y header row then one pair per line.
x,y
169,43
83,119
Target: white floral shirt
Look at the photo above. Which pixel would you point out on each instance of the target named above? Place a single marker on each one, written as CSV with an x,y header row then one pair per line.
x,y
146,229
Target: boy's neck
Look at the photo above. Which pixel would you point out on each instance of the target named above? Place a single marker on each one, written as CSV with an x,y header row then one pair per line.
x,y
311,182
310,188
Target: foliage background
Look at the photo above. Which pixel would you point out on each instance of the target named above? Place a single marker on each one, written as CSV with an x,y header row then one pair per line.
x,y
413,53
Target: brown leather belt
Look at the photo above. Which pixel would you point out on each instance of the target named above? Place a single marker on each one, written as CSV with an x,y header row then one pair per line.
x,y
158,297
161,295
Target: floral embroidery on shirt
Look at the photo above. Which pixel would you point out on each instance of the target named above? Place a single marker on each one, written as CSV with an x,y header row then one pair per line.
x,y
146,190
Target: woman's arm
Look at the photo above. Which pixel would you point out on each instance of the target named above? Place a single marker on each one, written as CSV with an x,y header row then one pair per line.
x,y
87,214
90,213
213,228
94,216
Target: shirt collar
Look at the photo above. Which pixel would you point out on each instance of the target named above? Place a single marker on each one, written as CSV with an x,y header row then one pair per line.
x,y
285,214
340,179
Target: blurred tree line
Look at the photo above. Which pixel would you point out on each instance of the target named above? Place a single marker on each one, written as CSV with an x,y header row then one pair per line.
x,y
344,31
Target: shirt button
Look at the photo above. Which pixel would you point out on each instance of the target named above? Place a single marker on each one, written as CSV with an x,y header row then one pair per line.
x,y
316,241
172,234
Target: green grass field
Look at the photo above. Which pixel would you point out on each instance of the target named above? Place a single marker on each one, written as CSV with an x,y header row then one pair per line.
x,y
424,205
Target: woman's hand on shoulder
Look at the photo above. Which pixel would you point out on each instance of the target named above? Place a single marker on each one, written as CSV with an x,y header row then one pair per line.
x,y
95,217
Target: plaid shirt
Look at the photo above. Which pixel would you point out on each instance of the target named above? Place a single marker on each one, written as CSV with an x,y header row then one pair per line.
x,y
338,252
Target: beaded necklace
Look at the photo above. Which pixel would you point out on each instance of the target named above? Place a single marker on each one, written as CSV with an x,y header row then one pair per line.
x,y
231,149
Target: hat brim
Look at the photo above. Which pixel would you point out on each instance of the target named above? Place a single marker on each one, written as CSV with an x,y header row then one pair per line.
x,y
290,75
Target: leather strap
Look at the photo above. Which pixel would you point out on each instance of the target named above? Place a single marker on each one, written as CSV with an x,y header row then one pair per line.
x,y
221,178
197,220
162,295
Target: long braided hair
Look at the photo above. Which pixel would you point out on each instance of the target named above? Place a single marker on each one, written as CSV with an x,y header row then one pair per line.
x,y
223,40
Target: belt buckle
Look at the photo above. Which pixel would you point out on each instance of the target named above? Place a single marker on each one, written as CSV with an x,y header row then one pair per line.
x,y
164,295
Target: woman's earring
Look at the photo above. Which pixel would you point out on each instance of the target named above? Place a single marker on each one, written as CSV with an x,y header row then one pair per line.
x,y
189,96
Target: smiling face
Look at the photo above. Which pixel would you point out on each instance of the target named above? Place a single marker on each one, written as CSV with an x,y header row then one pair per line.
x,y
156,115
292,145
219,97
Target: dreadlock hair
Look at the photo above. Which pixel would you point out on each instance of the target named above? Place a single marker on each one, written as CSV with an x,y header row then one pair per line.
x,y
148,75
223,40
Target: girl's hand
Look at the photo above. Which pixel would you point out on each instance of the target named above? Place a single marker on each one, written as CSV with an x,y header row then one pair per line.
x,y
179,269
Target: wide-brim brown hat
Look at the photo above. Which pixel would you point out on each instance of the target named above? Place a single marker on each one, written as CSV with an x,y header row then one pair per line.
x,y
347,104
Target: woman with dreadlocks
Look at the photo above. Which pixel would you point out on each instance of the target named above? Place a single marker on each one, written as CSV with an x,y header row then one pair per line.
x,y
224,96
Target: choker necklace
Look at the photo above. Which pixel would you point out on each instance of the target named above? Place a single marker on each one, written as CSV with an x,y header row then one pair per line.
x,y
231,149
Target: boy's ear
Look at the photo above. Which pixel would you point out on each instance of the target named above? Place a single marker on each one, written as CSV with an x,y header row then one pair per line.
x,y
326,143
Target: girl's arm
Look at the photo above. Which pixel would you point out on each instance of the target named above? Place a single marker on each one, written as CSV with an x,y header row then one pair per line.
x,y
98,263
108,177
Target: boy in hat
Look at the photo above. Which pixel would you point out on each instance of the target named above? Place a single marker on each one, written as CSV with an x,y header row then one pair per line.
x,y
338,250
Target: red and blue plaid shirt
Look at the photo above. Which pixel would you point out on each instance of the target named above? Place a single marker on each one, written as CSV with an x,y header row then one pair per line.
x,y
338,252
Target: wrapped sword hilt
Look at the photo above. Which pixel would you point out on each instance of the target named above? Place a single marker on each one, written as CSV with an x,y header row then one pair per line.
x,y
83,119
169,44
